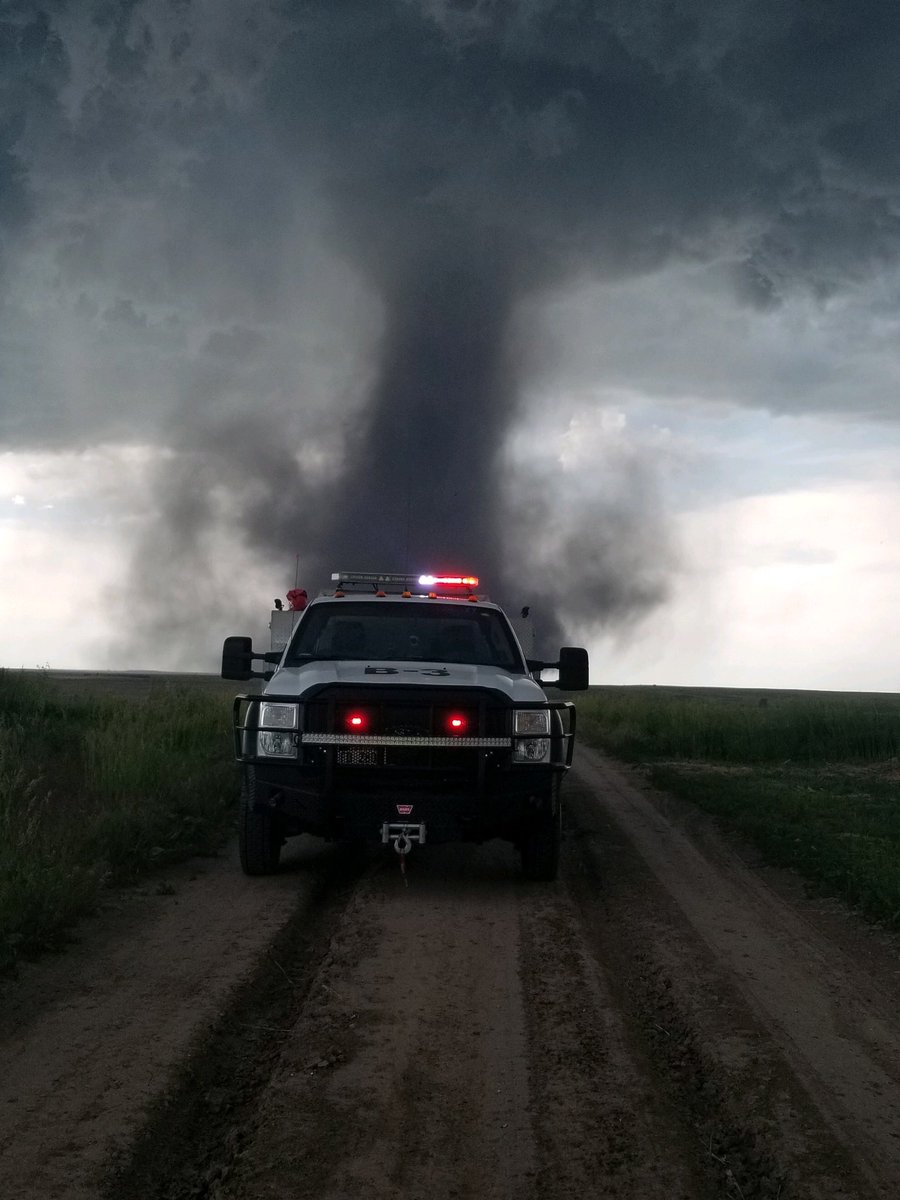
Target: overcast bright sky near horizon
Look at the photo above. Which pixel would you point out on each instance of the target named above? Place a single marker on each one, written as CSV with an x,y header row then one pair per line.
x,y
599,300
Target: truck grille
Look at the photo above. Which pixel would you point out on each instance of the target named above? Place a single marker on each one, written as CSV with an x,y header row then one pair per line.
x,y
421,716
406,729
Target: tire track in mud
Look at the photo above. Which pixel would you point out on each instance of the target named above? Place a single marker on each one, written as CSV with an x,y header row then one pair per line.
x,y
659,988
191,1134
91,1036
601,1124
406,1073
460,1042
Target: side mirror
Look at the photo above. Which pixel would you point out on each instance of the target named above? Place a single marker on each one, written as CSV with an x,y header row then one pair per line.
x,y
573,669
237,658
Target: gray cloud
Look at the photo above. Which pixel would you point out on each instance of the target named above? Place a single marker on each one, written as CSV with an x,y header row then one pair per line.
x,y
303,243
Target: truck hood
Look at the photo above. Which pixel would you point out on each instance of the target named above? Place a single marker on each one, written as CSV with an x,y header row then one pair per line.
x,y
295,681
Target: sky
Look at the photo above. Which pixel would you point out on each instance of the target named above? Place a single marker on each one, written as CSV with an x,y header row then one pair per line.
x,y
597,300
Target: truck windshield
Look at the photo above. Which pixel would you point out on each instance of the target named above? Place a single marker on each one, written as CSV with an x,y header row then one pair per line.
x,y
375,632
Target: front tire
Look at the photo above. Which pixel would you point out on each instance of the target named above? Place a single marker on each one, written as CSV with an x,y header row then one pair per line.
x,y
541,841
259,832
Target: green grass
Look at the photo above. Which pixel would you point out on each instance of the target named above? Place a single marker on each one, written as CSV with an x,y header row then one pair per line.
x,y
722,725
811,779
94,792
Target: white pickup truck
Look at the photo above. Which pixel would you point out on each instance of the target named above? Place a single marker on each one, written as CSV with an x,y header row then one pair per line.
x,y
402,709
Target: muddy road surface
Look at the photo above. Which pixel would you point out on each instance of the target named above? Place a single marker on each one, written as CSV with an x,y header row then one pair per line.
x,y
667,1021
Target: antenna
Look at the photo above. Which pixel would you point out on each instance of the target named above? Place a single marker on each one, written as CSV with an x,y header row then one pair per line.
x,y
408,498
408,517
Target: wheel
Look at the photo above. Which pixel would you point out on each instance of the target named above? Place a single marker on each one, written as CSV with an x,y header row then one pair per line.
x,y
259,832
541,840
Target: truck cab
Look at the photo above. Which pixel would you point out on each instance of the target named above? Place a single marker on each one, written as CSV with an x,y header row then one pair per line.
x,y
402,709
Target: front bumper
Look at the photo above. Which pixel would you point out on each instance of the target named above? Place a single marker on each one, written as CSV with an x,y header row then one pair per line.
x,y
463,788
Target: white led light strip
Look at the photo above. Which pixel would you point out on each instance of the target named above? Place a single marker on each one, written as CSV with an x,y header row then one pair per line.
x,y
362,739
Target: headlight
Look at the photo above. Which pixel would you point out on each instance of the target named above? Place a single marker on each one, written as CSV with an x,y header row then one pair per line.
x,y
531,720
277,735
531,749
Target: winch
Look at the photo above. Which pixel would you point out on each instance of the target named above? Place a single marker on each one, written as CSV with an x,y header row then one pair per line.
x,y
402,835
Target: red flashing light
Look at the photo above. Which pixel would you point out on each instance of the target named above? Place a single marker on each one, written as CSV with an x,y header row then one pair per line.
x,y
356,722
469,581
456,723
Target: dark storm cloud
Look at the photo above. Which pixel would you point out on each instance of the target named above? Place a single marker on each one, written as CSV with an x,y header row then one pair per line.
x,y
178,182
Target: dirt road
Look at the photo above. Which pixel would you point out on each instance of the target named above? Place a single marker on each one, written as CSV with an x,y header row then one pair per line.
x,y
667,1021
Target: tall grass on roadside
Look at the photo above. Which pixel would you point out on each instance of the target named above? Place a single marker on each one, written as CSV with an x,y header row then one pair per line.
x,y
166,777
744,727
45,883
93,792
839,830
811,779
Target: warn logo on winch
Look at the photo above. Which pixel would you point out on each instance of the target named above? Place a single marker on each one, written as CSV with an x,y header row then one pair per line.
x,y
404,809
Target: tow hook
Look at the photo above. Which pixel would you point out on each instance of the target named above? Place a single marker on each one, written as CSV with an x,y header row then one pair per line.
x,y
402,844
402,837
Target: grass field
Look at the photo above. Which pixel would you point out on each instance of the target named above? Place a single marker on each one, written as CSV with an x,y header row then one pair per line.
x,y
812,779
96,791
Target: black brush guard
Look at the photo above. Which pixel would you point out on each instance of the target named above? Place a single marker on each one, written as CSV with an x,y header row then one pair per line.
x,y
390,760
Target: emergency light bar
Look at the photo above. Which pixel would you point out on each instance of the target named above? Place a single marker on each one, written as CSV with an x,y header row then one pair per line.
x,y
382,582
